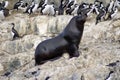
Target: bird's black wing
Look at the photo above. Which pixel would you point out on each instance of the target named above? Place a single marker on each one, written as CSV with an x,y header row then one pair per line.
x,y
15,32
70,4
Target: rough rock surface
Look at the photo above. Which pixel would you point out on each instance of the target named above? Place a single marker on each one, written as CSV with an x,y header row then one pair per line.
x,y
100,46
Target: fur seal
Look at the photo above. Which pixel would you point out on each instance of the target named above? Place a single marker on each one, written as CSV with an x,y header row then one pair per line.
x,y
67,41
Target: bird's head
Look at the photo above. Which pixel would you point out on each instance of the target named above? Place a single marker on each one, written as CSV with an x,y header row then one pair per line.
x,y
13,24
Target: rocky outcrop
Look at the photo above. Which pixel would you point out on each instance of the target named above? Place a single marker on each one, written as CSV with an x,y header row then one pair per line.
x,y
100,46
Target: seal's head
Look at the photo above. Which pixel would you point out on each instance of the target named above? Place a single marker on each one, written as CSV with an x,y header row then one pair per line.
x,y
81,19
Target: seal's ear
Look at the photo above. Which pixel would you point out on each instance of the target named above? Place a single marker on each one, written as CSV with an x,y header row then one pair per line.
x,y
81,19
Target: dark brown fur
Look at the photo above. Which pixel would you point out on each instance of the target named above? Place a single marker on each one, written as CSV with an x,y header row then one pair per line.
x,y
68,41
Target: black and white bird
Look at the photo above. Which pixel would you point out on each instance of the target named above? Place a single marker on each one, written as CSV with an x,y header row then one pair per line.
x,y
75,9
20,5
61,8
48,9
72,10
41,3
87,11
3,13
71,3
4,4
110,75
112,14
95,8
113,63
85,5
23,7
47,78
100,10
32,8
101,15
82,6
72,7
14,32
7,74
101,5
110,6
65,3
45,2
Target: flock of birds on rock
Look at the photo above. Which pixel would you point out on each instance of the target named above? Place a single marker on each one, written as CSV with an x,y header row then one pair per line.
x,y
68,7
